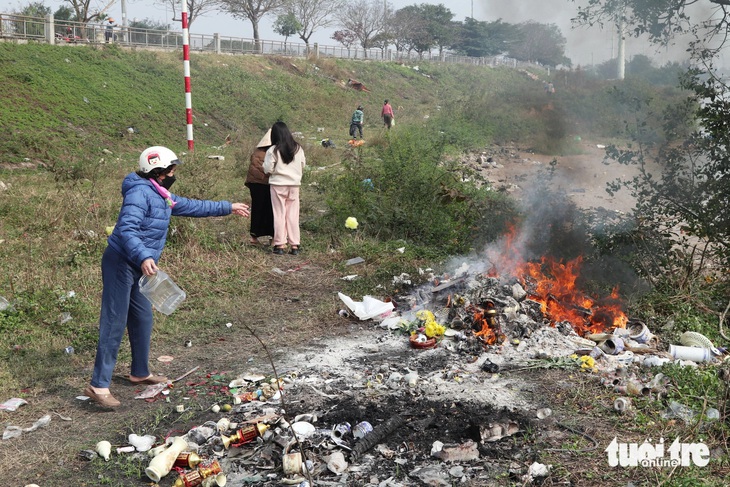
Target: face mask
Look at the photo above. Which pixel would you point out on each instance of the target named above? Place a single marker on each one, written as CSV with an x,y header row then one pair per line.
x,y
167,182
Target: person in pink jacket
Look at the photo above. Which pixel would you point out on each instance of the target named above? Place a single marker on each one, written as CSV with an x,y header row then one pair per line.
x,y
284,162
387,114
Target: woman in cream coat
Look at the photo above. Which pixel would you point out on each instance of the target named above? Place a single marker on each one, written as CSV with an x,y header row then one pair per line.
x,y
284,162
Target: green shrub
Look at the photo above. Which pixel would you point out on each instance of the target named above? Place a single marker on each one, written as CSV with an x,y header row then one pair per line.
x,y
408,192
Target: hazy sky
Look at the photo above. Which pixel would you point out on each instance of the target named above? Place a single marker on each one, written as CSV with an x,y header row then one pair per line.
x,y
584,46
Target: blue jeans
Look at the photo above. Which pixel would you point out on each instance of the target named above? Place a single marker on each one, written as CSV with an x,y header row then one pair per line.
x,y
122,307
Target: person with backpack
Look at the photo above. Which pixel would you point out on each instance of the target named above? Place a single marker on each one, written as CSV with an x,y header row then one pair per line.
x,y
356,122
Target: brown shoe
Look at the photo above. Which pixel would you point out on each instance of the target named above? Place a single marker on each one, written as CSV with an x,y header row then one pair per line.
x,y
103,400
150,379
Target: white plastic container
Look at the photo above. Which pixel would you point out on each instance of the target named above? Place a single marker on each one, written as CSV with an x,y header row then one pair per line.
x,y
162,292
694,354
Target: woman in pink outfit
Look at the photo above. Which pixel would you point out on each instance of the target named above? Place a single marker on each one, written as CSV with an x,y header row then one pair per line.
x,y
285,162
387,114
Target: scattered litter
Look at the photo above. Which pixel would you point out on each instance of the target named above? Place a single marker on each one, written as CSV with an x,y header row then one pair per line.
x,y
13,404
694,339
351,277
543,413
537,470
104,449
679,411
88,454
465,452
152,390
16,431
355,260
391,323
165,358
141,443
61,416
337,463
357,85
622,404
693,354
369,307
495,432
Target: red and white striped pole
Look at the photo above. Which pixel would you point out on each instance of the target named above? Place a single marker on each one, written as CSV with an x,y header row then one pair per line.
x,y
186,69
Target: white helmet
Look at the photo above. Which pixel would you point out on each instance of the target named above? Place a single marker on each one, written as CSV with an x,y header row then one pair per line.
x,y
157,156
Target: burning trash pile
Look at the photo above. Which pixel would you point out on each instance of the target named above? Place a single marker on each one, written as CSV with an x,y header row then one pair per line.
x,y
425,400
479,311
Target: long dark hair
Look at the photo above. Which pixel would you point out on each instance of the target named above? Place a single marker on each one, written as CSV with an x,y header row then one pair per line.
x,y
284,141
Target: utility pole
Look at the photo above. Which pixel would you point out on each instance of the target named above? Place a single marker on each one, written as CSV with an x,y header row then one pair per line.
x,y
621,59
472,9
124,21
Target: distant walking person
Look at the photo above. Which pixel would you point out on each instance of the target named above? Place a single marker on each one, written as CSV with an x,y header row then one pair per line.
x,y
387,114
285,162
109,31
257,182
356,123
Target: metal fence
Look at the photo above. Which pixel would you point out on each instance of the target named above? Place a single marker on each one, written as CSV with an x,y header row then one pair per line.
x,y
18,28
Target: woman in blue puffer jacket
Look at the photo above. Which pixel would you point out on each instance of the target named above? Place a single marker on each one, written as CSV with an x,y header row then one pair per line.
x,y
134,248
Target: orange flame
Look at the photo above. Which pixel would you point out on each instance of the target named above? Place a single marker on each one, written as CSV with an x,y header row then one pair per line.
x,y
489,332
553,284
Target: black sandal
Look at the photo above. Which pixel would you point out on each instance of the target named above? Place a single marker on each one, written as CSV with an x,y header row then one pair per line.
x,y
278,251
294,251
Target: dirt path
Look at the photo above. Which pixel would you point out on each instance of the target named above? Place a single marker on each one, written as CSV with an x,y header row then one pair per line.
x,y
583,177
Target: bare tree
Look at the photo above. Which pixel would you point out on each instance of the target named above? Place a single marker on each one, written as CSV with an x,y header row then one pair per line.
x,y
82,10
312,15
366,18
252,10
196,8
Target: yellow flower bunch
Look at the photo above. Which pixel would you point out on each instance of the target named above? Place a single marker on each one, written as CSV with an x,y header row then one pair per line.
x,y
586,362
433,329
351,223
425,315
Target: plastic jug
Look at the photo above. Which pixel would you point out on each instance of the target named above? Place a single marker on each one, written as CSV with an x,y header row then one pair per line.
x,y
162,292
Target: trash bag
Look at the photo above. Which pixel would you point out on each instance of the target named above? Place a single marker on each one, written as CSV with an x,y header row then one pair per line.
x,y
368,308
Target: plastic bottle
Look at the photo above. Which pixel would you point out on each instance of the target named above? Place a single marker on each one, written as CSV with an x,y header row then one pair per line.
x,y
162,292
